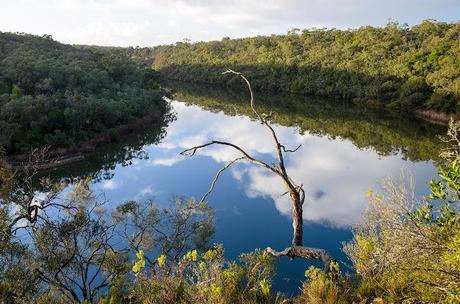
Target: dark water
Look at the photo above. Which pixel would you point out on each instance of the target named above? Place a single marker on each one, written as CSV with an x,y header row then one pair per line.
x,y
345,151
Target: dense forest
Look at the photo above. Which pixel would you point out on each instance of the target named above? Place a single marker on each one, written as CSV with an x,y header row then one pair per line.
x,y
59,95
396,66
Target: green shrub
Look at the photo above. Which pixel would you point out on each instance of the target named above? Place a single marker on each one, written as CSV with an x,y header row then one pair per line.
x,y
324,288
405,249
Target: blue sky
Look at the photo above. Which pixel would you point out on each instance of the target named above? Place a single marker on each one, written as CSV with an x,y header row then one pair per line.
x,y
153,22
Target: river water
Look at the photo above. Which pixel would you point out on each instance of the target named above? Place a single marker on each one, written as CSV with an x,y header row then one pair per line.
x,y
345,151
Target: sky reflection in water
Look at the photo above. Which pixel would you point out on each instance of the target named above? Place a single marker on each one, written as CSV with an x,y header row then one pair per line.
x,y
335,173
250,213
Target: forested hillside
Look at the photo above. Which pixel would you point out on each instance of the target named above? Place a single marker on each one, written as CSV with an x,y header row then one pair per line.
x,y
395,66
58,95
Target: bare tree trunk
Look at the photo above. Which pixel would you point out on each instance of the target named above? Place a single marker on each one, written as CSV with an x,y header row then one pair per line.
x,y
296,192
297,220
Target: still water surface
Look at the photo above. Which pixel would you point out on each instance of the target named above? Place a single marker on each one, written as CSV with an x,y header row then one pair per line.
x,y
345,150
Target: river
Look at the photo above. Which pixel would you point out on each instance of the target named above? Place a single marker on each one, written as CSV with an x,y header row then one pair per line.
x,y
345,151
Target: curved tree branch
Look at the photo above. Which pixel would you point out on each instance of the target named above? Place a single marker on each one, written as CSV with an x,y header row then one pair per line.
x,y
193,150
213,184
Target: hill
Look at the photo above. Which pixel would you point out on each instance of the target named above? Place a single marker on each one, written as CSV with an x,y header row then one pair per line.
x,y
393,66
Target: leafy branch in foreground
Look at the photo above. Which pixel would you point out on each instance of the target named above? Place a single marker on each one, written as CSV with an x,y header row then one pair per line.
x,y
295,191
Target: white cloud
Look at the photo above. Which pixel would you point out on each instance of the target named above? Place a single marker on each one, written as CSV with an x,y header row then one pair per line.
x,y
145,193
110,184
152,22
167,161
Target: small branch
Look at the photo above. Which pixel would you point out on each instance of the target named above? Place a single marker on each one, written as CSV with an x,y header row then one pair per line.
x,y
213,184
250,92
193,150
288,150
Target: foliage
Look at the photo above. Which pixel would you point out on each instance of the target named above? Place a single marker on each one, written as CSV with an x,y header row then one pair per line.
x,y
407,250
406,67
324,287
185,226
6,175
207,278
68,249
58,95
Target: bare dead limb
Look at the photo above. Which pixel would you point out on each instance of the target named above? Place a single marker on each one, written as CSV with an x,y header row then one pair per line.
x,y
250,91
296,192
213,184
289,150
305,253
192,151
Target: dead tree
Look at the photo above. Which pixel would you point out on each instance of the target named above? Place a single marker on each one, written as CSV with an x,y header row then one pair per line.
x,y
24,194
295,191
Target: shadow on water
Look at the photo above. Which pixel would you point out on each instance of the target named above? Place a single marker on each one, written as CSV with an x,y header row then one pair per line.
x,y
100,165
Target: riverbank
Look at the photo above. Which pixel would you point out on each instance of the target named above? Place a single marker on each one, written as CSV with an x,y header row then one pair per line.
x,y
436,117
56,157
432,116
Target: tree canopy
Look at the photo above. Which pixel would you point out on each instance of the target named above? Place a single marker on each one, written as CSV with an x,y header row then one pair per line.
x,y
58,95
396,66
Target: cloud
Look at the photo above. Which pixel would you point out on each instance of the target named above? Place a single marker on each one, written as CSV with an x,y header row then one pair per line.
x,y
145,193
152,22
168,161
335,182
110,184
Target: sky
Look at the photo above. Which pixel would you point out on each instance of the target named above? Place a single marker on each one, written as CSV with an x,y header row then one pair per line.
x,y
154,22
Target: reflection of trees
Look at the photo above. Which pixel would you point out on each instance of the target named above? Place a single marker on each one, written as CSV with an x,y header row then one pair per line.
x,y
383,131
101,164
58,248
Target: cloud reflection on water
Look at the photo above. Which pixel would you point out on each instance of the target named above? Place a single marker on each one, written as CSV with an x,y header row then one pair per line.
x,y
335,173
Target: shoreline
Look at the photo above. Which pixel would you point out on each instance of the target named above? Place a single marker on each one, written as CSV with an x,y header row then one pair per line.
x,y
436,117
432,116
59,157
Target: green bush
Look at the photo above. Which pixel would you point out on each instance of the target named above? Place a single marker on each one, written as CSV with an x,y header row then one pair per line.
x,y
408,250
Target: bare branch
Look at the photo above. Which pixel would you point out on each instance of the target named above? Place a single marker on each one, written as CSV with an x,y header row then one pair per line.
x,y
193,150
264,121
213,184
288,150
250,92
